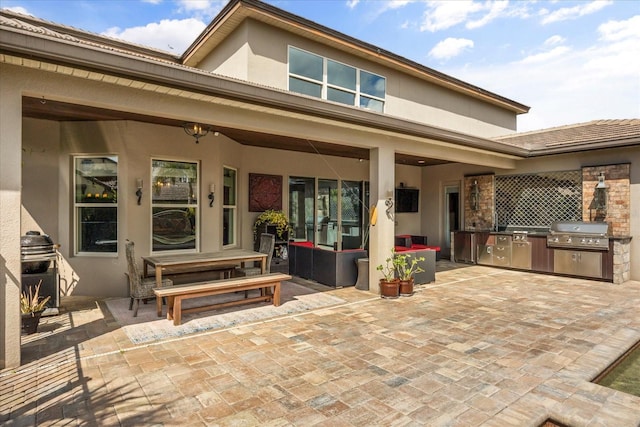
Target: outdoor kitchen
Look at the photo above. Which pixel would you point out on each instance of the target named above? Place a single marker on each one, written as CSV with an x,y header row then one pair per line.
x,y
573,223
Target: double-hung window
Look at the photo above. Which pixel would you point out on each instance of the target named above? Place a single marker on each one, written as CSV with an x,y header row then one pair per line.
x,y
96,204
174,205
314,75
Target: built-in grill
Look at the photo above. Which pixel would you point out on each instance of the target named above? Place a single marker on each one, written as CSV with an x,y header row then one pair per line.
x,y
579,235
578,247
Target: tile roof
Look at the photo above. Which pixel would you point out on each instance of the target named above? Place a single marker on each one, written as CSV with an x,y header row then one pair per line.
x,y
593,132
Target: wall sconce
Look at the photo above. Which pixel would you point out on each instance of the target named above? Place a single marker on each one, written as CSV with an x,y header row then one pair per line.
x,y
600,195
212,190
474,196
195,130
389,204
139,190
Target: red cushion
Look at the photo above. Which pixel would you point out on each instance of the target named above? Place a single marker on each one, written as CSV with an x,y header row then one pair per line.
x,y
307,244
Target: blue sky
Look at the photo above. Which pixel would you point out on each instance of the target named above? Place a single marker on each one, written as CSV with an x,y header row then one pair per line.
x,y
570,61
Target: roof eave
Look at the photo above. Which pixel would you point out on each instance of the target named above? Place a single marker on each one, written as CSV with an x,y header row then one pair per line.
x,y
21,43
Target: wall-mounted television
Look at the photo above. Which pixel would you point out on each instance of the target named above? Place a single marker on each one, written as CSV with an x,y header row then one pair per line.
x,y
407,199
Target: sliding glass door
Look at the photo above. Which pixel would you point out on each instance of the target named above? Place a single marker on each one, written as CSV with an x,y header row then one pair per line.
x,y
301,207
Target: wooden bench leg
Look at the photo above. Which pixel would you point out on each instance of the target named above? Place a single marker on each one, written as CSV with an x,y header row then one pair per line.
x,y
276,294
159,306
177,310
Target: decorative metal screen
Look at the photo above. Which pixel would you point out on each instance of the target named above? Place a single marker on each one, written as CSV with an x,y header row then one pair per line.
x,y
537,200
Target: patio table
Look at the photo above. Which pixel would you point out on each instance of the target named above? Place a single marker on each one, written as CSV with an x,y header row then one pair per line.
x,y
198,260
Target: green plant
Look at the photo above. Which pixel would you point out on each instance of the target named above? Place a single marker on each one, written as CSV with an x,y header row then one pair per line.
x,y
388,269
273,217
407,266
33,302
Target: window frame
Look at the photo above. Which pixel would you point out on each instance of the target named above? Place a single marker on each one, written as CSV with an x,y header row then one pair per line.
x,y
233,208
79,205
196,206
325,85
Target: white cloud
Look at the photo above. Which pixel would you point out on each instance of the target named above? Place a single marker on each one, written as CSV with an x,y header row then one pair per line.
x,y
575,12
546,56
352,3
19,9
450,47
443,15
553,40
440,15
618,30
152,1
496,10
170,35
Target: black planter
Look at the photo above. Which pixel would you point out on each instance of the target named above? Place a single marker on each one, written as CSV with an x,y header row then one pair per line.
x,y
30,322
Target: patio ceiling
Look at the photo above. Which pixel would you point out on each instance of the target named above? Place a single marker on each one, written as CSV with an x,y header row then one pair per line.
x,y
61,111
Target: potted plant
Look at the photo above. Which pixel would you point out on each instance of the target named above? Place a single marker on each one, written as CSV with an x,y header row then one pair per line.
x,y
273,218
407,267
389,283
31,307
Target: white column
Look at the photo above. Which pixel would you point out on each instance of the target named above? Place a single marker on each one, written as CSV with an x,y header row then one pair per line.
x,y
381,237
10,188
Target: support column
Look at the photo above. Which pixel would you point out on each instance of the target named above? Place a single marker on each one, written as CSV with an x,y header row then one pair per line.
x,y
10,188
381,235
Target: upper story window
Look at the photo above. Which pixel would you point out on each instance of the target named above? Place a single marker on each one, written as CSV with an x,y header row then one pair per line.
x,y
174,205
325,78
96,204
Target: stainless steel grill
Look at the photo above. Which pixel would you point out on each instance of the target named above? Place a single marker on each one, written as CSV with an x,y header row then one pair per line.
x,y
579,235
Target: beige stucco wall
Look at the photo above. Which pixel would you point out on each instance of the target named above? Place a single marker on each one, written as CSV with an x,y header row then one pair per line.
x,y
407,97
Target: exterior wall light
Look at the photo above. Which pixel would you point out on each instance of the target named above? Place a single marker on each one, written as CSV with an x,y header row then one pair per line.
x,y
212,191
474,196
139,190
600,194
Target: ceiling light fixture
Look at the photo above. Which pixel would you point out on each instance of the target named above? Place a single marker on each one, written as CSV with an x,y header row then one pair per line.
x,y
195,130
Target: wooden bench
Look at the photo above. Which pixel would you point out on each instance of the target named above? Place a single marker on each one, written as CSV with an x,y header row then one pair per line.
x,y
176,294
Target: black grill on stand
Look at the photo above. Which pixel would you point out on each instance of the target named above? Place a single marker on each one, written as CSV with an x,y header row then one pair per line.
x,y
39,265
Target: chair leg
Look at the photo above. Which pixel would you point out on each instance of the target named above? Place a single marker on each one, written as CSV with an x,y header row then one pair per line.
x,y
131,304
135,309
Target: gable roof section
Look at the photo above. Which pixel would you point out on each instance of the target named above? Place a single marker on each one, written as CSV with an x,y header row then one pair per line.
x,y
236,11
591,135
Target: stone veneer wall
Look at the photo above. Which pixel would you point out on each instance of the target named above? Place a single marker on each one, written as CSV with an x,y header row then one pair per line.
x,y
621,260
483,218
618,212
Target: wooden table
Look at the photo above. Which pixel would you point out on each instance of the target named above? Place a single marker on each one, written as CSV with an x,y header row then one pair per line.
x,y
199,260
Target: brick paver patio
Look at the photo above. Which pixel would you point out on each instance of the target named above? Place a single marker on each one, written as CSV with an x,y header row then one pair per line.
x,y
479,347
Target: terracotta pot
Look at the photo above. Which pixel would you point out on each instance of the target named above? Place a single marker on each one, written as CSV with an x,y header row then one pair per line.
x,y
406,287
30,322
389,289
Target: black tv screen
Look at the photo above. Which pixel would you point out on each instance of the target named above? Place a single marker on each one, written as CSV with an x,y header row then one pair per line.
x,y
407,199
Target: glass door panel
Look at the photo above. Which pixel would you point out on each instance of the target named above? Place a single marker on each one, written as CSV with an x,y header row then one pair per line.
x,y
351,214
327,213
301,208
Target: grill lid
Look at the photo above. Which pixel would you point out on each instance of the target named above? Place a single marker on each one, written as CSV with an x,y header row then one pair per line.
x,y
580,227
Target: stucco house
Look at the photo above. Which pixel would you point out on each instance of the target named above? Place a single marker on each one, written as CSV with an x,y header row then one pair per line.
x,y
96,147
